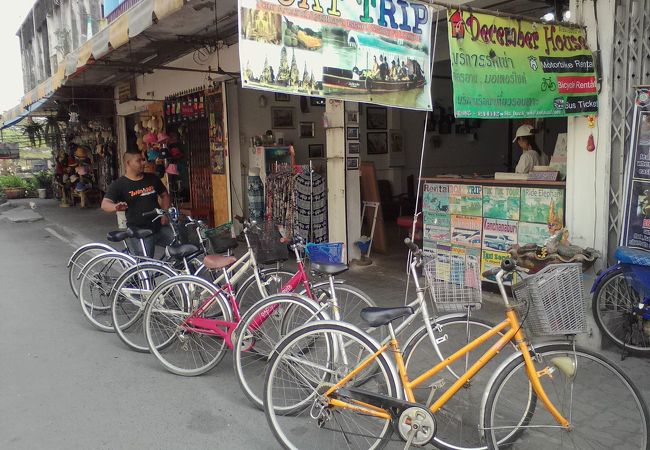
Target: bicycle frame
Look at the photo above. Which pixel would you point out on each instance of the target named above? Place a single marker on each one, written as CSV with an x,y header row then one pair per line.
x,y
514,332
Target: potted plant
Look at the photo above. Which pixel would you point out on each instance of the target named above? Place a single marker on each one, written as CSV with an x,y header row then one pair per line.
x,y
43,182
13,186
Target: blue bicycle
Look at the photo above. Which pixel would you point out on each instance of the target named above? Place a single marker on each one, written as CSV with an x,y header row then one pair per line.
x,y
621,301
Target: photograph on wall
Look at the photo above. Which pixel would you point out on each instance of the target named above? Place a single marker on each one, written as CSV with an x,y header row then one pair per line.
x,y
376,118
466,230
435,198
282,117
395,149
499,234
352,118
353,148
541,205
377,143
532,233
466,199
501,202
638,216
342,52
491,260
352,163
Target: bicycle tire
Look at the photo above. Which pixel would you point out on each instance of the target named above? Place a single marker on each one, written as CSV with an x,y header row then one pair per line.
x,y
459,418
615,284
250,293
591,424
79,258
127,308
172,346
292,348
249,363
99,276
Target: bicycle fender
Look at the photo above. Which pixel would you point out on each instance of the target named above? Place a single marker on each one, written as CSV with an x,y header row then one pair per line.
x,y
117,254
497,372
602,275
322,284
107,247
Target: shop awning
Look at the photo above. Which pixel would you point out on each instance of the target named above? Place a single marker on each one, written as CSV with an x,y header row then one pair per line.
x,y
104,45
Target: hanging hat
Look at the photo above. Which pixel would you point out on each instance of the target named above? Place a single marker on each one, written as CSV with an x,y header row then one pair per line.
x,y
80,152
172,169
72,162
162,137
82,169
74,178
176,153
81,186
149,138
152,154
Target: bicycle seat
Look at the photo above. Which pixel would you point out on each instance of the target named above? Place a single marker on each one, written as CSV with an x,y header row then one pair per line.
x,y
627,255
181,251
376,316
329,268
218,261
139,234
117,236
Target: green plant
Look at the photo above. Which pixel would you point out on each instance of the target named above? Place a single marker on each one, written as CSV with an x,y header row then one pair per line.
x,y
52,133
43,180
12,181
34,131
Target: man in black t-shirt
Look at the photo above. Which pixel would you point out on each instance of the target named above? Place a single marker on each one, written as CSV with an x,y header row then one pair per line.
x,y
137,192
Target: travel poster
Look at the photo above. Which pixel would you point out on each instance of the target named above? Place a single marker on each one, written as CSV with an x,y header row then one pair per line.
x,y
541,205
358,51
506,67
437,227
465,199
466,231
500,202
532,233
499,235
491,260
637,220
438,266
435,198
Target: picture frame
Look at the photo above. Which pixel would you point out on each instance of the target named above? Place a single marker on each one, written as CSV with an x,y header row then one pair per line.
x,y
352,118
307,129
396,148
354,148
316,151
282,117
316,101
377,143
352,163
281,97
352,133
376,118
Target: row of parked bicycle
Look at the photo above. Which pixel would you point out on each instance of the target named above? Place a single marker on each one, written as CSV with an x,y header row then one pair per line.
x,y
316,355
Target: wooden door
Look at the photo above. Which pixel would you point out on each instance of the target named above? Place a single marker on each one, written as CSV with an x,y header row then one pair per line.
x,y
200,173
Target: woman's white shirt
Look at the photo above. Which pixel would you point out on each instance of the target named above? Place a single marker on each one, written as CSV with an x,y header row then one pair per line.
x,y
528,160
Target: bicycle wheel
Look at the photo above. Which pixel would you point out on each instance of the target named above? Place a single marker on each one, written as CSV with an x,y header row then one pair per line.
x,y
612,305
259,331
305,364
350,301
458,420
97,280
249,293
80,258
129,298
604,407
180,348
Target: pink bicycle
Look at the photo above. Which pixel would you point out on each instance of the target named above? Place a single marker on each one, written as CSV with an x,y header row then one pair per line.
x,y
189,323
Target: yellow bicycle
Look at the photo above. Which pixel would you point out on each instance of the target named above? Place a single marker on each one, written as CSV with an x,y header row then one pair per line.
x,y
330,385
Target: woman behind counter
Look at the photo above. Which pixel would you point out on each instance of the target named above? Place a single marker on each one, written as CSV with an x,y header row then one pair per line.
x,y
532,156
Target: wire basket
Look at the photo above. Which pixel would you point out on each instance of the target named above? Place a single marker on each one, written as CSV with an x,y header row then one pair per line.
x,y
265,239
454,282
220,238
325,253
552,301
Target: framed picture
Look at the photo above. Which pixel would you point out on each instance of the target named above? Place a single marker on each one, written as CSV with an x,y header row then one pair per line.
x,y
352,163
316,151
280,97
282,117
377,143
396,149
353,148
377,118
306,129
316,101
352,118
353,133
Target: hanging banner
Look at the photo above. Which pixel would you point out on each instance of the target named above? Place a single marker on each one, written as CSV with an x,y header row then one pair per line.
x,y
636,214
361,51
505,68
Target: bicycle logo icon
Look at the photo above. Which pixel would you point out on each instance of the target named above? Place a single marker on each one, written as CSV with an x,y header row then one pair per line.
x,y
548,84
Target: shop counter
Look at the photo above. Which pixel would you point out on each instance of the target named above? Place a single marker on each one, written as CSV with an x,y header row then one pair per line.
x,y
480,218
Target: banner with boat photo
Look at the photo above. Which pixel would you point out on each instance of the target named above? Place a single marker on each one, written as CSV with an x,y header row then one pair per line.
x,y
348,50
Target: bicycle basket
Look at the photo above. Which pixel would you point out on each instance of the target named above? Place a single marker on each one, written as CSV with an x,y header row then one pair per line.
x,y
454,282
551,302
220,238
265,239
327,253
190,231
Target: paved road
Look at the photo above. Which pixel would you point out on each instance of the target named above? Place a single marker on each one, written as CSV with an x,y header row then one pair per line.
x,y
65,385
